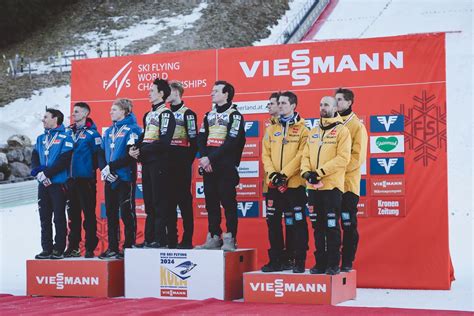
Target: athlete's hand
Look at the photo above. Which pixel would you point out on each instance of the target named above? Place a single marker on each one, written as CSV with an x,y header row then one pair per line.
x,y
104,173
134,152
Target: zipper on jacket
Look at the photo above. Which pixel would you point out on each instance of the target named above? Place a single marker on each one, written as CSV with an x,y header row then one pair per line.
x,y
319,149
282,146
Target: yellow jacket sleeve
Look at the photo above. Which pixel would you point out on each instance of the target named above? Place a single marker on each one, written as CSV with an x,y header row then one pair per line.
x,y
359,149
305,159
267,153
293,167
343,155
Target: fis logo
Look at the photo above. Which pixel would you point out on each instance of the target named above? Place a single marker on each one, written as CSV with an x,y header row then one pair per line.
x,y
251,128
386,123
387,166
118,81
311,123
247,209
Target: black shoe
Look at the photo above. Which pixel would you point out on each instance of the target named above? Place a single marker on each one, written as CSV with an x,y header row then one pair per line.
x,y
142,245
172,246
155,245
57,255
108,254
185,245
72,253
333,270
89,254
288,264
119,255
317,270
43,255
272,266
346,268
299,266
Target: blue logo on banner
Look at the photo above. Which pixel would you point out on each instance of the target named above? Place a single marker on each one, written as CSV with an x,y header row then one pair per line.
x,y
311,122
251,128
363,187
386,123
102,211
387,165
139,191
247,209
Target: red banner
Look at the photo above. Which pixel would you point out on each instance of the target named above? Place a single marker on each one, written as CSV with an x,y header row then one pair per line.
x,y
400,92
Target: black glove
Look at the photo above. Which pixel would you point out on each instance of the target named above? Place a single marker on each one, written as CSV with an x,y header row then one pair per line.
x,y
311,176
279,179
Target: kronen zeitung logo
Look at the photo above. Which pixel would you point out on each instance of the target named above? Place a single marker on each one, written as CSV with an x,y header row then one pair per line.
x,y
60,280
302,65
388,207
280,287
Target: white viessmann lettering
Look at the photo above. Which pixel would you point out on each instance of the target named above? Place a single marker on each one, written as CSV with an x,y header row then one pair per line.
x,y
280,287
301,65
60,280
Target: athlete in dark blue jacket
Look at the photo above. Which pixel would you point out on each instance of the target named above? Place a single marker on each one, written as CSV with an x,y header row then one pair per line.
x,y
82,183
118,170
49,161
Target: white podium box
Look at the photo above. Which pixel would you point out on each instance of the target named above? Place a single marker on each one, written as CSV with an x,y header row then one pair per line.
x,y
187,274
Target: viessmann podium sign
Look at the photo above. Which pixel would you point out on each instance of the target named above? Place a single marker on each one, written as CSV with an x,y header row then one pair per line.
x,y
400,94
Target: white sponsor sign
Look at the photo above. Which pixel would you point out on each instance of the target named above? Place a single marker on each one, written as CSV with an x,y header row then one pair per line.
x,y
249,169
174,273
252,107
200,190
387,144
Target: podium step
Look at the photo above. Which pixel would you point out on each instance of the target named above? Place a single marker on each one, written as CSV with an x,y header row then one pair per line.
x,y
187,274
304,288
75,277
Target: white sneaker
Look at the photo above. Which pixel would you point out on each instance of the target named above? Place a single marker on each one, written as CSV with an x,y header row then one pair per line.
x,y
214,242
229,242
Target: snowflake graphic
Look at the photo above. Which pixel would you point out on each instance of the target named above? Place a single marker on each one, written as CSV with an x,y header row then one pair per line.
x,y
425,126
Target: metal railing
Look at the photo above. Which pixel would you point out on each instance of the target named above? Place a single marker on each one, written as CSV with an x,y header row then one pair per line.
x,y
18,193
303,21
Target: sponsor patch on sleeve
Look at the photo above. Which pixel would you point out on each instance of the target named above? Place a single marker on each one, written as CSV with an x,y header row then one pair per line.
x,y
68,144
234,129
98,140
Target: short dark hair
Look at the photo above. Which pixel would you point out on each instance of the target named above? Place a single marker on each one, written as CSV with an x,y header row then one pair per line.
x,y
163,86
275,95
348,94
56,113
292,98
83,105
228,88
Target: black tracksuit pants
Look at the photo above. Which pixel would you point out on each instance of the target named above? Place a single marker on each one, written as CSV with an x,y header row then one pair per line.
x,y
82,198
219,188
52,201
292,204
350,238
325,208
180,195
156,194
118,199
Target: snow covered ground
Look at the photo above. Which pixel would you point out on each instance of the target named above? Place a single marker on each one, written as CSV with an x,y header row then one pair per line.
x,y
350,19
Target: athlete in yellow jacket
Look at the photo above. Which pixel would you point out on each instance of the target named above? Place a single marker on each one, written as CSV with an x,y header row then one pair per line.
x,y
283,144
324,161
350,197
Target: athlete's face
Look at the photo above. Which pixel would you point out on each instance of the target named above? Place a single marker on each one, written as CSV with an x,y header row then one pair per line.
x,y
342,104
218,96
273,108
327,107
285,107
78,114
174,97
116,113
155,96
49,121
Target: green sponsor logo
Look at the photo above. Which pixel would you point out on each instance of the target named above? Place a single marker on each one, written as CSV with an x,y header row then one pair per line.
x,y
386,144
